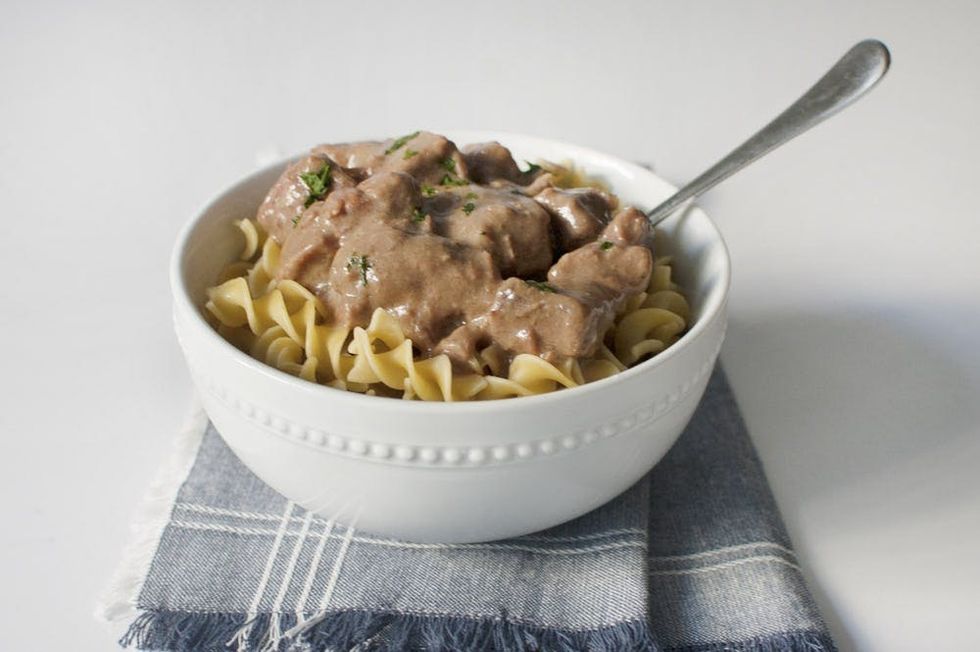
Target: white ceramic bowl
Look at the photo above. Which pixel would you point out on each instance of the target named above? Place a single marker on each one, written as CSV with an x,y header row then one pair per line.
x,y
453,472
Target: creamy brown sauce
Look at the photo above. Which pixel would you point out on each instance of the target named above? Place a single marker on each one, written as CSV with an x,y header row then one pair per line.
x,y
461,246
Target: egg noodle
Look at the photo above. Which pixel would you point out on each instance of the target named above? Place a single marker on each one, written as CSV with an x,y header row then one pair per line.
x,y
284,325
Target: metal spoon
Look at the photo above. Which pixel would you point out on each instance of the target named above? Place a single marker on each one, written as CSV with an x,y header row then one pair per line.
x,y
854,75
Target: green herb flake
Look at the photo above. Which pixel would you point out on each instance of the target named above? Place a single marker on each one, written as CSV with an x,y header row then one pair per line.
x,y
448,180
418,216
470,195
605,245
531,167
295,221
318,183
449,165
469,207
539,285
361,264
400,142
409,153
428,191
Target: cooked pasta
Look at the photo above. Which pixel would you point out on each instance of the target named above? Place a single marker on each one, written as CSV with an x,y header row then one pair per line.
x,y
286,326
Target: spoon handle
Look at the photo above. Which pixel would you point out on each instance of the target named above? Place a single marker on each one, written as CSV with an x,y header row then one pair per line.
x,y
850,78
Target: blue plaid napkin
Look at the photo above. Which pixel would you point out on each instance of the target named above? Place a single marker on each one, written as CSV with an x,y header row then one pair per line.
x,y
694,558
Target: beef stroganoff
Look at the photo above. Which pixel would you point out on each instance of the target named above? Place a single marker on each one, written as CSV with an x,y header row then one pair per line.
x,y
412,268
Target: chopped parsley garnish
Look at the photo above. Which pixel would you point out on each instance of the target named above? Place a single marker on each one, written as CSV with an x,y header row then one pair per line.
x,y
531,167
449,165
470,195
605,245
448,180
428,191
400,142
469,207
317,183
361,264
295,221
409,153
418,215
539,285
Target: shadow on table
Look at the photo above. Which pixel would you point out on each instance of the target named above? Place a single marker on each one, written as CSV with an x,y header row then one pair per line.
x,y
839,398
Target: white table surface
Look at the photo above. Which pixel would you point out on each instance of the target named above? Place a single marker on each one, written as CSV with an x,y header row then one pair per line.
x,y
854,345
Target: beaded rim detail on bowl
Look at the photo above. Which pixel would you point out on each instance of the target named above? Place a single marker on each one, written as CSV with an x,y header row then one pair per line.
x,y
457,456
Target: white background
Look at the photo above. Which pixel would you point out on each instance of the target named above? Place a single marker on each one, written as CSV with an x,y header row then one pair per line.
x,y
854,345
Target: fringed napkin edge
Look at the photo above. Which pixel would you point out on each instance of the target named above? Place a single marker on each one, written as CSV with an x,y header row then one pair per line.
x,y
117,605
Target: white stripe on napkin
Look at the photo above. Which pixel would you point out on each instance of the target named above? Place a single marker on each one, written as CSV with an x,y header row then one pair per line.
x,y
257,516
217,527
728,564
726,549
240,640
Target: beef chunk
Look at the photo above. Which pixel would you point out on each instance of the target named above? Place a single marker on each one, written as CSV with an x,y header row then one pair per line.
x,y
290,196
579,214
513,228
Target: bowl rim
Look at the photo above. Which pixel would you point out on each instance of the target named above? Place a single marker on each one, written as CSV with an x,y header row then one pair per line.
x,y
184,304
